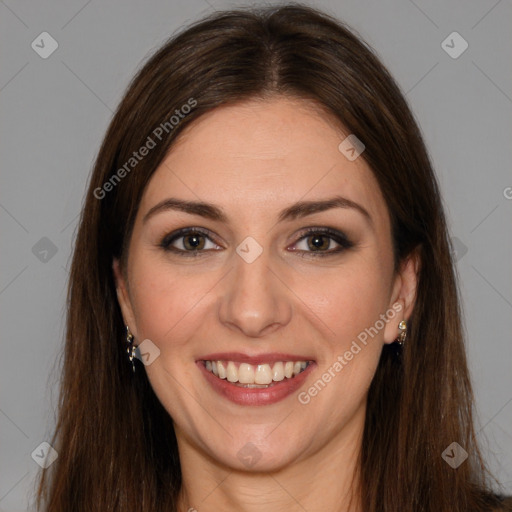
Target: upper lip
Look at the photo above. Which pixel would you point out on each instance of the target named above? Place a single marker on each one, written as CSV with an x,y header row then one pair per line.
x,y
254,359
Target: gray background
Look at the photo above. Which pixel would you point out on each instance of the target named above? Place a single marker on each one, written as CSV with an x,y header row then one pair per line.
x,y
54,115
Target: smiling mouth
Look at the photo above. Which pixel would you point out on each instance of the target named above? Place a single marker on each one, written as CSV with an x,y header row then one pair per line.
x,y
256,376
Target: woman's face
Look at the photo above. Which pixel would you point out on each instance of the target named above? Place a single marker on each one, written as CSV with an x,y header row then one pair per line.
x,y
240,280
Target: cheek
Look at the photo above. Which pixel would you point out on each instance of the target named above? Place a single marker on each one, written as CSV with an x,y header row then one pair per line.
x,y
349,300
352,309
164,300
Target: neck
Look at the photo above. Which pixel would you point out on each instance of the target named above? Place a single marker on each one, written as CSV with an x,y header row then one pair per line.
x,y
326,480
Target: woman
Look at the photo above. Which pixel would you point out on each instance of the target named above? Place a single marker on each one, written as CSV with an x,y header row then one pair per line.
x,y
263,310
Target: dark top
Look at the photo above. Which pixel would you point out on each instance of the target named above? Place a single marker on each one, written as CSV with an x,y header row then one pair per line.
x,y
506,503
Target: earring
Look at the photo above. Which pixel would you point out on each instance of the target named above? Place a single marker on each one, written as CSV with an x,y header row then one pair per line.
x,y
403,332
131,349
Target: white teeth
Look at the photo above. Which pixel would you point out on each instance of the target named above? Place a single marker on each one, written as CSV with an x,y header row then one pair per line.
x,y
278,372
259,375
221,369
246,374
263,374
232,372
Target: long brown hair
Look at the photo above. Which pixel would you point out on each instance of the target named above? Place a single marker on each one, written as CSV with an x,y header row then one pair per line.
x,y
116,443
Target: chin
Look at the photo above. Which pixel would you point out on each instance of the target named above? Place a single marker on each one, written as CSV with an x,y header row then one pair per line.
x,y
259,455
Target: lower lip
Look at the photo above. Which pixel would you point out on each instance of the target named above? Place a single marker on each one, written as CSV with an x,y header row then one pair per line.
x,y
255,396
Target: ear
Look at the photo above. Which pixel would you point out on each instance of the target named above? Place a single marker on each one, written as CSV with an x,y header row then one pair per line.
x,y
123,297
403,297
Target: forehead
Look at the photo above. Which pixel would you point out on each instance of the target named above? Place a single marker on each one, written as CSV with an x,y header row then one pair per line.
x,y
263,153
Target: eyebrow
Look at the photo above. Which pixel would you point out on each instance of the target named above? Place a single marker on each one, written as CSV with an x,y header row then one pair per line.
x,y
295,211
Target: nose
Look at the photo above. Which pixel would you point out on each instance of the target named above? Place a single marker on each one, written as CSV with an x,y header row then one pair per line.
x,y
254,300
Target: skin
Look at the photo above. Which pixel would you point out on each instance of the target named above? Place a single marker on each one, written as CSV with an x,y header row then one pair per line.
x,y
253,160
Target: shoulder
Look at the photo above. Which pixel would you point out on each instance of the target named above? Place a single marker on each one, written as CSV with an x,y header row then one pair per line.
x,y
506,503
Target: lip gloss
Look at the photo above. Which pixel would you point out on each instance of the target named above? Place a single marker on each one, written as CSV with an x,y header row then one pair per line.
x,y
255,396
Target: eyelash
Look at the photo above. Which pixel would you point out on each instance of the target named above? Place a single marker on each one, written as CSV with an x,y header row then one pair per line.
x,y
337,236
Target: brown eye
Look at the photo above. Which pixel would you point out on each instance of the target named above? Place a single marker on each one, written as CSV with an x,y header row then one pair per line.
x,y
322,242
188,242
193,241
318,242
